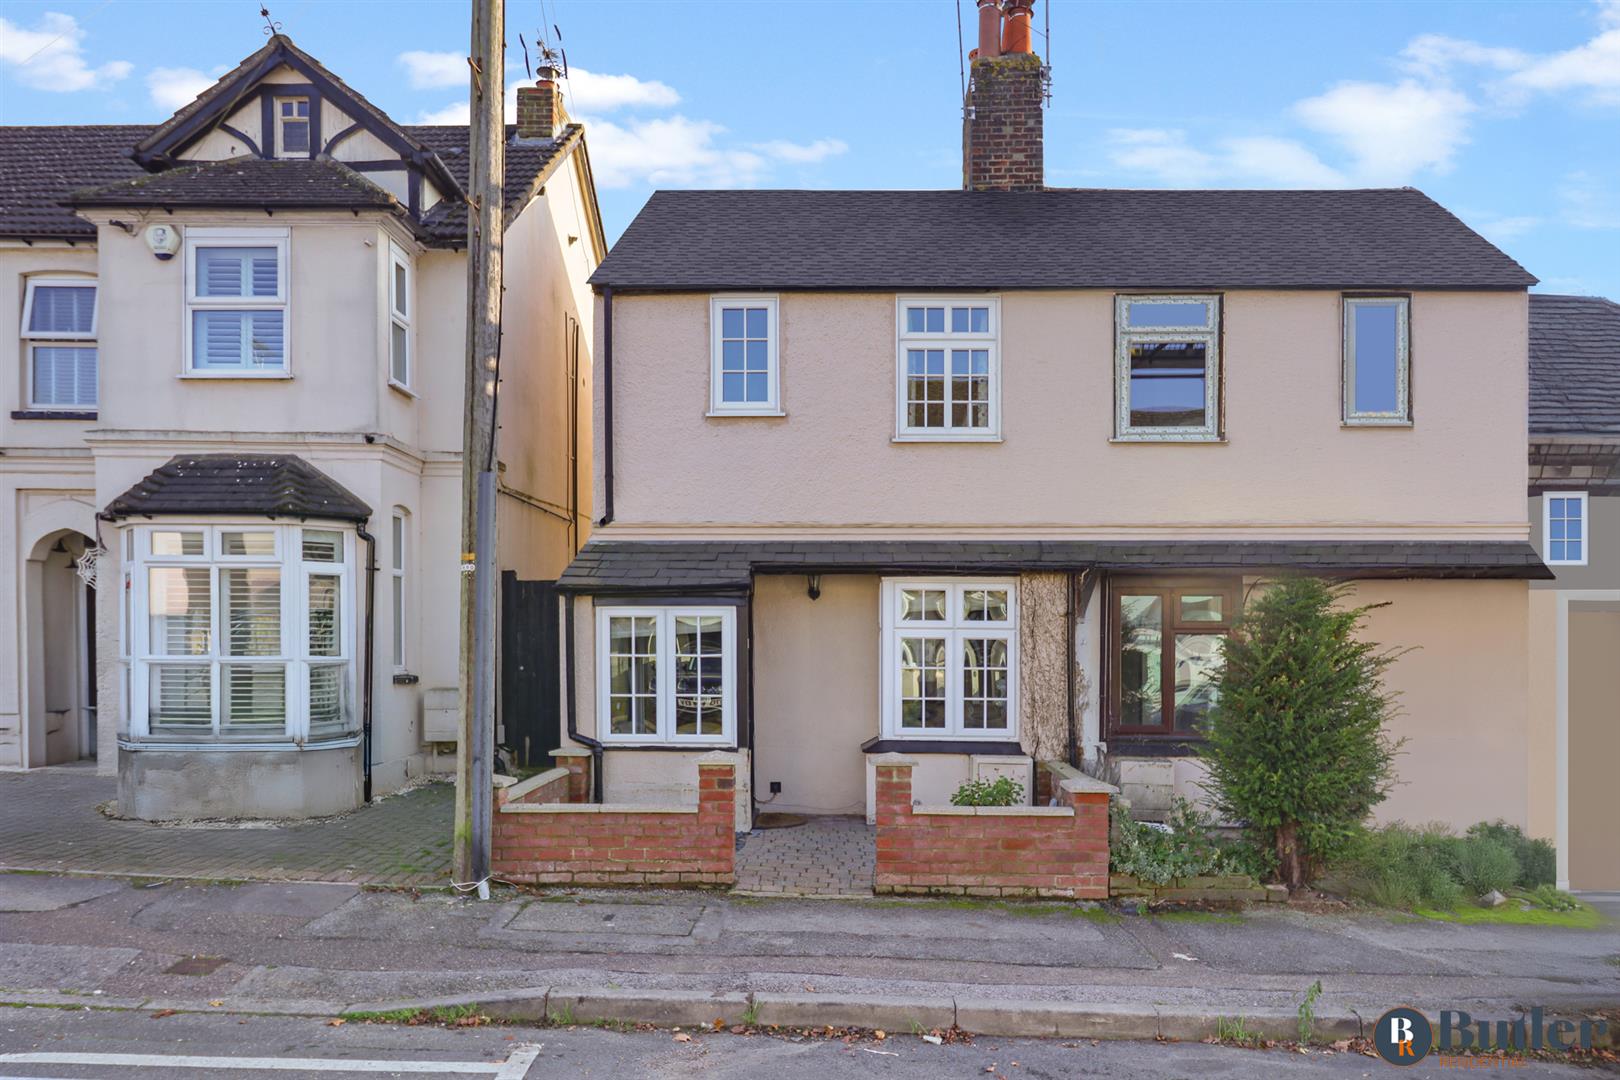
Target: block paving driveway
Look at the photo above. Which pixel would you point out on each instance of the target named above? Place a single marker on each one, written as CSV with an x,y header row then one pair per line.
x,y
50,821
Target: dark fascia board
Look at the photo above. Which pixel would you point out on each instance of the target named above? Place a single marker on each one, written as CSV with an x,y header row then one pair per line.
x,y
932,287
159,147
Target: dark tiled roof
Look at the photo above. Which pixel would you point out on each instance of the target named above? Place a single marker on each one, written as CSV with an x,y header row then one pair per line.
x,y
1574,365
1059,238
528,163
245,182
39,166
606,566
278,486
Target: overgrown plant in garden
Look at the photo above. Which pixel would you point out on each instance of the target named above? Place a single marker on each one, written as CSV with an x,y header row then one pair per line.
x,y
1185,849
1002,791
1296,744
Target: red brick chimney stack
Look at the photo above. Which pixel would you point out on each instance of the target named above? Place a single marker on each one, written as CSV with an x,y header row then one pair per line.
x,y
1003,140
539,107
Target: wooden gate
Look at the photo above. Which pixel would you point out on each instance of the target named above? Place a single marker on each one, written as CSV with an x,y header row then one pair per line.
x,y
530,670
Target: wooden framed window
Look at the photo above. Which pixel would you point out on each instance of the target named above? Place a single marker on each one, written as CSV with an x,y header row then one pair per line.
x,y
1164,640
292,127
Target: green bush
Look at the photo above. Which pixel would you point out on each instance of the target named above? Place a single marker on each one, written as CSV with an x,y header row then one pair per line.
x,y
1296,743
1483,865
1158,856
1537,859
1402,867
1002,791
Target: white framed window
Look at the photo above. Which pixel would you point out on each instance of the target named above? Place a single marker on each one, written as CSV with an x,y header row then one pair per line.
x,y
401,297
1167,368
950,659
1377,362
1564,532
59,334
236,302
667,674
744,376
949,367
396,565
241,634
292,126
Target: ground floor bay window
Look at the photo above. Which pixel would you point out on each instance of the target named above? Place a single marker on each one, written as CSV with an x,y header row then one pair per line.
x,y
1165,638
950,659
240,634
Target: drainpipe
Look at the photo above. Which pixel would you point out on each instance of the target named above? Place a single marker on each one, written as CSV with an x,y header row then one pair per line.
x,y
607,406
569,707
1068,667
365,687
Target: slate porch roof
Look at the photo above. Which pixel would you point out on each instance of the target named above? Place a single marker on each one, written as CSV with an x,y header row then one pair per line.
x,y
246,182
693,566
1574,365
281,485
1396,238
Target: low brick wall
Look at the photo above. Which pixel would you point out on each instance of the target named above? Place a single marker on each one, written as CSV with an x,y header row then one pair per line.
x,y
1049,851
1214,889
547,834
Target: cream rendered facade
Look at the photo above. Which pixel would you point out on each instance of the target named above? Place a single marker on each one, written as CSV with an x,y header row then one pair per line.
x,y
832,467
396,447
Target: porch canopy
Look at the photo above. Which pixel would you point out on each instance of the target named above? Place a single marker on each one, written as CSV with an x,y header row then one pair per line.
x,y
281,485
694,567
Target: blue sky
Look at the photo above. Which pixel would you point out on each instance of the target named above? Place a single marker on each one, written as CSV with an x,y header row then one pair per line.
x,y
1507,113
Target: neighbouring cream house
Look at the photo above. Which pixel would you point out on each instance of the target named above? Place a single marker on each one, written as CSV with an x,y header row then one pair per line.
x,y
1575,618
982,477
232,377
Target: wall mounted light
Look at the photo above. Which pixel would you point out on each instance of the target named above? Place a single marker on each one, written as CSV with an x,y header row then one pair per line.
x,y
813,586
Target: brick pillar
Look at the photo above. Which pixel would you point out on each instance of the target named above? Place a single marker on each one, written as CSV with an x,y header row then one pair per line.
x,y
1003,137
1090,835
717,814
578,763
539,110
893,789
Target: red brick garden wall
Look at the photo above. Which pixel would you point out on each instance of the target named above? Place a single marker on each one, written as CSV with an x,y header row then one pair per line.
x,y
990,851
543,839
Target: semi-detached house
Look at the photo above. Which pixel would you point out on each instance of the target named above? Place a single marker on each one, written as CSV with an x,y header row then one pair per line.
x,y
984,476
231,410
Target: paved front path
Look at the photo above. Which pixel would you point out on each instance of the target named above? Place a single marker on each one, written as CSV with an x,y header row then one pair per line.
x,y
49,821
826,856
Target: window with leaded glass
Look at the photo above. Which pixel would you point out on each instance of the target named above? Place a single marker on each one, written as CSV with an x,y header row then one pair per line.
x,y
950,659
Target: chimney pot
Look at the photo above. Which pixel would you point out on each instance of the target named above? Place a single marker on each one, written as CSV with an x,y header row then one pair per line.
x,y
989,29
1015,33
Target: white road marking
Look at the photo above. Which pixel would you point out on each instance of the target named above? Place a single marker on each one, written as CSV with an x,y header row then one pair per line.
x,y
513,1068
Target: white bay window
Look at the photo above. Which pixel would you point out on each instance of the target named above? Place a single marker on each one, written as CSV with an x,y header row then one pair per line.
x,y
950,659
241,633
666,674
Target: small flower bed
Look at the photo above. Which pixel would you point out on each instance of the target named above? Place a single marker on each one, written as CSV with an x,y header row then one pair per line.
x,y
1002,791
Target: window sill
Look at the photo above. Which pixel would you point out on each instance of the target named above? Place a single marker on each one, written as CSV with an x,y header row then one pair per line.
x,y
401,388
1170,440
687,747
918,745
723,414
125,742
946,437
234,375
1375,422
51,414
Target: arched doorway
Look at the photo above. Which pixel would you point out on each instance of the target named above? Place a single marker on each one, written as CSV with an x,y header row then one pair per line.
x,y
60,620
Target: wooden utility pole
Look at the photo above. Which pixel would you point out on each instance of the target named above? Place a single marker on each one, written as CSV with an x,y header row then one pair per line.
x,y
486,155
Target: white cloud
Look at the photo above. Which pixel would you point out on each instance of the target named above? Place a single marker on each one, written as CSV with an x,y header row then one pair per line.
x,y
590,92
670,151
175,88
1435,55
433,70
802,153
51,56
458,112
1391,132
1261,160
1593,67
1588,203
1499,230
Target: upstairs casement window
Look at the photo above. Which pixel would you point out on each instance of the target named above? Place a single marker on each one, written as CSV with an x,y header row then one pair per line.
x,y
59,335
744,378
400,300
667,674
241,633
1166,639
236,300
1564,528
949,386
950,659
292,126
1167,368
1377,362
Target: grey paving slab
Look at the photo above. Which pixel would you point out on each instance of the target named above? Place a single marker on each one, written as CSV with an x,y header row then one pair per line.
x,y
565,917
50,821
34,892
60,967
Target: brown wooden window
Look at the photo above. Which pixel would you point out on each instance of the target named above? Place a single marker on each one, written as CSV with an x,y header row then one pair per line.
x,y
1165,641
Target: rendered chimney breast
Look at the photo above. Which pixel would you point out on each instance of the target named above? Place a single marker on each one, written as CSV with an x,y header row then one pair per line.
x,y
1003,136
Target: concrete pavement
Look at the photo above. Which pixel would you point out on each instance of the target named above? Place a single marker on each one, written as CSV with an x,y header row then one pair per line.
x,y
325,949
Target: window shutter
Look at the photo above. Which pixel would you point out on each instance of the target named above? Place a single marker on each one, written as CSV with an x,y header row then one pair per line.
x,y
268,341
223,271
264,271
64,375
